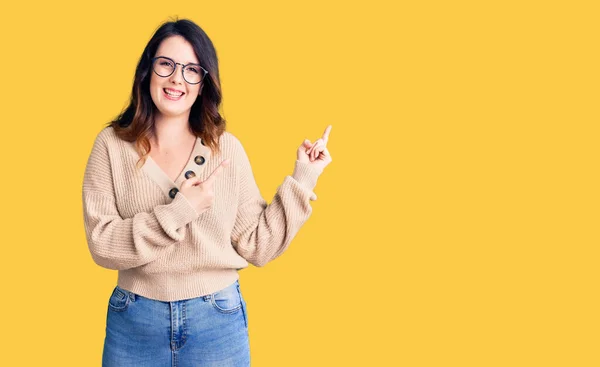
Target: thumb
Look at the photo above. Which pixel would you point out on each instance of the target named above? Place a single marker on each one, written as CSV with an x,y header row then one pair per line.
x,y
190,182
306,143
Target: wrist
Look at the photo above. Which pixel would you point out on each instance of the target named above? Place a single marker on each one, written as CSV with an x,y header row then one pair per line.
x,y
306,174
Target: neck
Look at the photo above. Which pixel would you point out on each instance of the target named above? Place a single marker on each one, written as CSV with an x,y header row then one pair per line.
x,y
171,131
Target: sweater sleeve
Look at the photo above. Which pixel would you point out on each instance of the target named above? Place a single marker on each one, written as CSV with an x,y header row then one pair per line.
x,y
263,232
117,243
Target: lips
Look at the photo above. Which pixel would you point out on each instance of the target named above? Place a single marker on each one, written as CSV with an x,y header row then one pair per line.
x,y
172,94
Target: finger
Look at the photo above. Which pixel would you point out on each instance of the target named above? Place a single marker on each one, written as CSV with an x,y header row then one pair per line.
x,y
324,154
309,150
318,152
217,172
326,134
315,148
319,141
305,147
192,181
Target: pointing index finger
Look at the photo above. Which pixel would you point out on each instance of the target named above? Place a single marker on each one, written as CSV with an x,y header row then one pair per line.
x,y
217,172
326,134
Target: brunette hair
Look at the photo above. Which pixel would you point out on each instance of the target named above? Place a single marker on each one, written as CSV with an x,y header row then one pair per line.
x,y
136,121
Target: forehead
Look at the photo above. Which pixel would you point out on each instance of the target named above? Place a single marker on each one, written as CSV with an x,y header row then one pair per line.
x,y
178,49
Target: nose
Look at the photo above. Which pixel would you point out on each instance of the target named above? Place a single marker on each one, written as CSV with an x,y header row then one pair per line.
x,y
177,76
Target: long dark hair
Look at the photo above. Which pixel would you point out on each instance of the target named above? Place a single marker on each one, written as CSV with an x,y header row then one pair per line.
x,y
136,122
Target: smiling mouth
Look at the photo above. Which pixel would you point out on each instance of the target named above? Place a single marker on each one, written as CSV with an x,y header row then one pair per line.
x,y
172,93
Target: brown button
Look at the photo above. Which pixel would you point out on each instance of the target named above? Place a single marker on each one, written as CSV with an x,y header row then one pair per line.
x,y
199,160
189,174
173,192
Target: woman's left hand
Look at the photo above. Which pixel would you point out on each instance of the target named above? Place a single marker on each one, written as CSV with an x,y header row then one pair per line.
x,y
316,154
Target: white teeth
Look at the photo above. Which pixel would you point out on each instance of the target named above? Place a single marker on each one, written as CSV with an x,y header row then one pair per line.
x,y
172,93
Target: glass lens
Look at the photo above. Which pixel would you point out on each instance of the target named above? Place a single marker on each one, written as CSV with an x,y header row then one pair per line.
x,y
163,67
192,74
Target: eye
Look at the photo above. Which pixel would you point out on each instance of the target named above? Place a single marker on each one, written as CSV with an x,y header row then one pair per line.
x,y
165,63
193,69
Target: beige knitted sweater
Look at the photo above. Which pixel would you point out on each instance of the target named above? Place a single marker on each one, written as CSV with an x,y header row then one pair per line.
x,y
138,223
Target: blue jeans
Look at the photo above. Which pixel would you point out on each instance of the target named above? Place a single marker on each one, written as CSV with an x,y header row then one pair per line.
x,y
210,330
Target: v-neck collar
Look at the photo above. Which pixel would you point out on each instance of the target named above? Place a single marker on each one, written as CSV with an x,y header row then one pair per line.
x,y
185,169
197,161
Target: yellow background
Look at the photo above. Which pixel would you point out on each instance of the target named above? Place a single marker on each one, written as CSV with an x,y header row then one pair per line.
x,y
456,226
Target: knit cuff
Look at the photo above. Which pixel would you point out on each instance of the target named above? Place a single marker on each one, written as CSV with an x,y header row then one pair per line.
x,y
176,214
306,175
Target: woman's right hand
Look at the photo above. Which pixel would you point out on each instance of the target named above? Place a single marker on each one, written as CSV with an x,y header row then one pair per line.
x,y
201,194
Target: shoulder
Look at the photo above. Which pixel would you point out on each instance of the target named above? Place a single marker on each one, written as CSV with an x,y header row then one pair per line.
x,y
99,157
108,138
228,140
107,142
107,135
231,144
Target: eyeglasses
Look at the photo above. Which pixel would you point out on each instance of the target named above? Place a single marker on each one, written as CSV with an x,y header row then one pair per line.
x,y
165,67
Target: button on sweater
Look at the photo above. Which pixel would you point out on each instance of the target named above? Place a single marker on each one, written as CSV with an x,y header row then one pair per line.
x,y
139,223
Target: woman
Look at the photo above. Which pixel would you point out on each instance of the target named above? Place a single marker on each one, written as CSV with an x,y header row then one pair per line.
x,y
170,201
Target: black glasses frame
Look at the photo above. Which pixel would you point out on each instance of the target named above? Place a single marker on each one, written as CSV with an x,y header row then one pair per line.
x,y
205,72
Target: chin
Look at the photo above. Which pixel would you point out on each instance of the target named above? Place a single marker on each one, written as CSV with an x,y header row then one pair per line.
x,y
167,109
171,113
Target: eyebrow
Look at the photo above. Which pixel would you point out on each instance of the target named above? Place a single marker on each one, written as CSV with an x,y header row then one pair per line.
x,y
184,63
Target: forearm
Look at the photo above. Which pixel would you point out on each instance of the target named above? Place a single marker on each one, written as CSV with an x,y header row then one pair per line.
x,y
117,243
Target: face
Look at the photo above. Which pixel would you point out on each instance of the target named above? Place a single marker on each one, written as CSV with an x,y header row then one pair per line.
x,y
167,92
